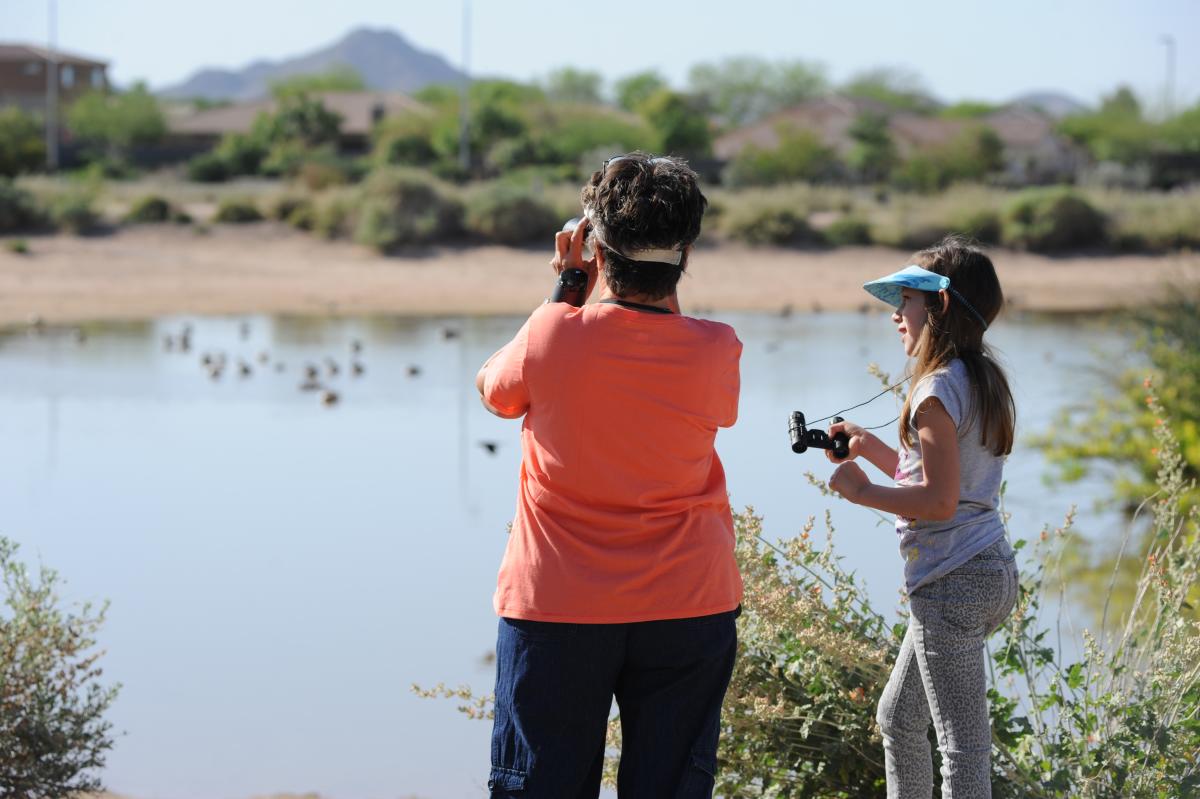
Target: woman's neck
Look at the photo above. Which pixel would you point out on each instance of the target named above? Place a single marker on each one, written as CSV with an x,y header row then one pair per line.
x,y
669,302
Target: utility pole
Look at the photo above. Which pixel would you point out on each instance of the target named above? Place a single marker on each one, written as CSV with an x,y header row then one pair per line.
x,y
464,128
52,90
1169,42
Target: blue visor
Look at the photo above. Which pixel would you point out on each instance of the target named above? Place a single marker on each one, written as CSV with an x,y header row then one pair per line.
x,y
910,277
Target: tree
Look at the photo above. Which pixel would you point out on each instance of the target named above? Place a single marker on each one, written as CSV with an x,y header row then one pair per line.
x,y
22,148
53,735
898,89
1116,132
112,124
570,85
338,79
800,155
635,89
873,154
746,89
680,126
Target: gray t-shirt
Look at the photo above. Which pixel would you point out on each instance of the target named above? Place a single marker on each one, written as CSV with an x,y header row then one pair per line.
x,y
932,549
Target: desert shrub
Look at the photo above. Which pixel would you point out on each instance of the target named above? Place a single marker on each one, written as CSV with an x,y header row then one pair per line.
x,y
848,231
799,156
237,210
53,735
17,246
1053,221
401,208
510,215
74,210
284,205
18,209
22,145
208,168
151,208
985,226
761,225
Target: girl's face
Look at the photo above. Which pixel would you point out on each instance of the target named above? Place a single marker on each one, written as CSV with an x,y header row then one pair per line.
x,y
910,318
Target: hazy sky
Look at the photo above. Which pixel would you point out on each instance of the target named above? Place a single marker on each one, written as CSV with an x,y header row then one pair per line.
x,y
962,49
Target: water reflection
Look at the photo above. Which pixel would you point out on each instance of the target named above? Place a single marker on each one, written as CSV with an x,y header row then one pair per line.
x,y
280,570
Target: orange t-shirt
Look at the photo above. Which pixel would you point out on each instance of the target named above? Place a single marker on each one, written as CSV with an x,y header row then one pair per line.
x,y
622,513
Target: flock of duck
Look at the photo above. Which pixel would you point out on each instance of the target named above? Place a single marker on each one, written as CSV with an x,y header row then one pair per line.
x,y
316,375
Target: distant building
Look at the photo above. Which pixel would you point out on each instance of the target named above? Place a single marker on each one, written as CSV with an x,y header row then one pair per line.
x,y
23,76
1033,150
199,131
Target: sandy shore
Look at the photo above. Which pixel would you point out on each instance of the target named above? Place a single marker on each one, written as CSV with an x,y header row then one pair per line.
x,y
151,271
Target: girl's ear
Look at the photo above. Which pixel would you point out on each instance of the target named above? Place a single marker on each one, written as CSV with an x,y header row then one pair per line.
x,y
945,297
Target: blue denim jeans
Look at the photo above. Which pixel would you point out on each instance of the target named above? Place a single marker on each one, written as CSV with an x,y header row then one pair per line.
x,y
555,684
940,676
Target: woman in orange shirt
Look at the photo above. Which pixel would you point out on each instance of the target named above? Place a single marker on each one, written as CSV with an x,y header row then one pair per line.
x,y
619,578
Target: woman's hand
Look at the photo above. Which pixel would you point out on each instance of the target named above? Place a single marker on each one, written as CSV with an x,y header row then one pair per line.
x,y
849,480
568,254
857,436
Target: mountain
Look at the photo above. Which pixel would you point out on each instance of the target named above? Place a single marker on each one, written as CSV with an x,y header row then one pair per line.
x,y
385,59
1053,104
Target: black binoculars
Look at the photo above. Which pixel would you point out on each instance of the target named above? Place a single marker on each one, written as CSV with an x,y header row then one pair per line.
x,y
803,438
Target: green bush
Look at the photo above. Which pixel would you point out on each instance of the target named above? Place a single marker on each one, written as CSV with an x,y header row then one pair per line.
x,y
400,208
18,210
800,155
17,246
848,231
1054,221
74,210
208,168
984,226
331,217
52,725
151,208
236,210
510,215
761,225
22,145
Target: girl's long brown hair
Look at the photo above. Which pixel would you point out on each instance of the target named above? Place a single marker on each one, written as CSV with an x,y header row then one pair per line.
x,y
957,333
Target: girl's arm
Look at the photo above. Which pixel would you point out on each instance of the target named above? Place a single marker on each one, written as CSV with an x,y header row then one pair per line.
x,y
935,498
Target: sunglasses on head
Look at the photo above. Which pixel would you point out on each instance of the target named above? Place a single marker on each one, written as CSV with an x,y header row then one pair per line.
x,y
659,159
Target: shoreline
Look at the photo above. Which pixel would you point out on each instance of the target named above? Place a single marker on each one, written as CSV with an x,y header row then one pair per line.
x,y
149,271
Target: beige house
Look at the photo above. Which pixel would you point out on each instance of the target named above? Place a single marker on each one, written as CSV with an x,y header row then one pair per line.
x,y
24,71
1033,151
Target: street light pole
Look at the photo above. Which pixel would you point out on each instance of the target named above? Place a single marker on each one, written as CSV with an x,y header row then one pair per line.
x,y
1169,42
464,132
52,90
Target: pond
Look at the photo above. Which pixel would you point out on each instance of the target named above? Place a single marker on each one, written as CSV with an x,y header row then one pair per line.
x,y
281,570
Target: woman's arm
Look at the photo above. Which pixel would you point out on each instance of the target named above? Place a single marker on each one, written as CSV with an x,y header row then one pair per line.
x,y
935,497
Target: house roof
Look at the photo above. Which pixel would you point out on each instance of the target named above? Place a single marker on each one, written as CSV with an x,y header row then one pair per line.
x,y
831,117
29,52
357,109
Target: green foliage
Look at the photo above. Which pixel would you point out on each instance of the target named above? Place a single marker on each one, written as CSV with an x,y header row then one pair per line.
x,y
399,208
298,119
873,154
507,214
151,208
571,85
242,153
972,155
681,129
17,246
208,168
968,109
237,211
111,124
1116,132
404,140
53,735
22,146
762,224
898,89
800,155
1054,220
635,89
848,231
18,209
74,209
340,78
746,89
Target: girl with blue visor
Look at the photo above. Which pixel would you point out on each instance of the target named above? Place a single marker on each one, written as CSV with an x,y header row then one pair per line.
x,y
956,428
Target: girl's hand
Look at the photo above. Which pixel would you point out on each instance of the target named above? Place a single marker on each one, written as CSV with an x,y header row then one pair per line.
x,y
857,435
568,253
849,480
